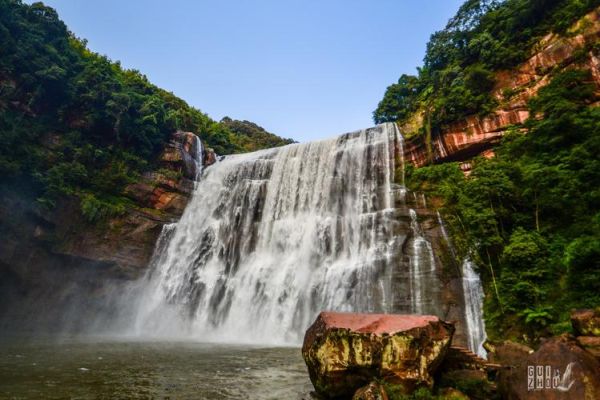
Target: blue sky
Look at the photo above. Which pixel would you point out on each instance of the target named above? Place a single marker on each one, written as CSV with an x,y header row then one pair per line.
x,y
304,69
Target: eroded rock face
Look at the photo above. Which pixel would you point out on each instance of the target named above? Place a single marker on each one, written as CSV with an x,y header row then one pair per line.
x,y
56,258
559,369
474,135
345,351
586,322
160,197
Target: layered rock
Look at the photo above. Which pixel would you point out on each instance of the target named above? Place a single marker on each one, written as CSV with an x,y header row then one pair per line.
x,y
57,257
126,242
345,351
475,135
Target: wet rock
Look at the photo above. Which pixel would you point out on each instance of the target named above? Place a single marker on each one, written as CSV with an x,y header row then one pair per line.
x,y
586,322
591,344
373,391
507,352
559,369
210,157
185,154
345,351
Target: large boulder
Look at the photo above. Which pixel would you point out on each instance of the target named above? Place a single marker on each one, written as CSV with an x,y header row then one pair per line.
x,y
586,322
345,351
559,369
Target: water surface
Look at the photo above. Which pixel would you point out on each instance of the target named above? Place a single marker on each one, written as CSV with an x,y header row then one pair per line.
x,y
77,369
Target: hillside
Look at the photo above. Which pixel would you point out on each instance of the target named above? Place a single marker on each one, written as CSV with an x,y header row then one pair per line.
x,y
503,127
73,122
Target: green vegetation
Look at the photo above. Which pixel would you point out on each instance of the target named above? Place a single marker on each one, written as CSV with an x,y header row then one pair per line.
x,y
252,136
458,71
73,122
530,217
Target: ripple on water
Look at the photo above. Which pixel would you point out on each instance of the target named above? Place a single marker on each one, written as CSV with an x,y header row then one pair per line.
x,y
91,370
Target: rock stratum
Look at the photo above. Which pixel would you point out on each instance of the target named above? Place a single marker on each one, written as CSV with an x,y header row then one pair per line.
x,y
50,258
476,135
345,351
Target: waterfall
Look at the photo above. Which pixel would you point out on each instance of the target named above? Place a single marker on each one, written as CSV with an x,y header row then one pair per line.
x,y
271,238
422,269
473,293
198,157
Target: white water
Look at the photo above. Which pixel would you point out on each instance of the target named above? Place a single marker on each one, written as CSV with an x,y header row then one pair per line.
x,y
473,293
422,269
272,238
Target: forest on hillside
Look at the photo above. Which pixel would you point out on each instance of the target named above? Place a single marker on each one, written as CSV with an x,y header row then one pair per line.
x,y
530,216
73,122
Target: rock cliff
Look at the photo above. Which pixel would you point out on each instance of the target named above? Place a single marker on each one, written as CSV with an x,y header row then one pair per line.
x,y
476,135
56,255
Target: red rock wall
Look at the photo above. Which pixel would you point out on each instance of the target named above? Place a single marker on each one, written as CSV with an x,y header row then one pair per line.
x,y
475,135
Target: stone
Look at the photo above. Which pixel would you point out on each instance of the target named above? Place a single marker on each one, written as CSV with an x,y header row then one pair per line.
x,y
591,344
345,351
586,322
210,157
507,352
475,135
559,369
372,391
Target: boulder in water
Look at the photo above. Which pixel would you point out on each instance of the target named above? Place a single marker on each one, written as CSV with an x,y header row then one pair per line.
x,y
345,351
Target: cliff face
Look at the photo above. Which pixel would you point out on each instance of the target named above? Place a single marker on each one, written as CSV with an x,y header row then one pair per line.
x,y
475,135
57,255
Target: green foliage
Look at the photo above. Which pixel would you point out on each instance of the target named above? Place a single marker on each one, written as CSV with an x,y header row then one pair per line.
x,y
252,136
396,392
532,213
484,36
473,387
76,123
94,209
399,100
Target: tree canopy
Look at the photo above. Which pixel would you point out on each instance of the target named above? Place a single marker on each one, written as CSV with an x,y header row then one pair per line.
x,y
75,122
484,36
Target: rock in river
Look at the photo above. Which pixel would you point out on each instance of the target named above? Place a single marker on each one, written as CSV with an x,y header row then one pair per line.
x,y
346,351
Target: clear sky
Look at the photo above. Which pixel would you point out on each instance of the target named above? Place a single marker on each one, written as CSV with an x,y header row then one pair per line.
x,y
305,69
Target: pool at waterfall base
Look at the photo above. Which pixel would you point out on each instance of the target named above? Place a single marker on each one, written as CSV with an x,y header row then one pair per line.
x,y
117,369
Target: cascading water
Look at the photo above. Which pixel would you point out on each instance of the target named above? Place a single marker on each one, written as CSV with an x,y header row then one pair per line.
x,y
473,292
472,297
271,238
422,270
